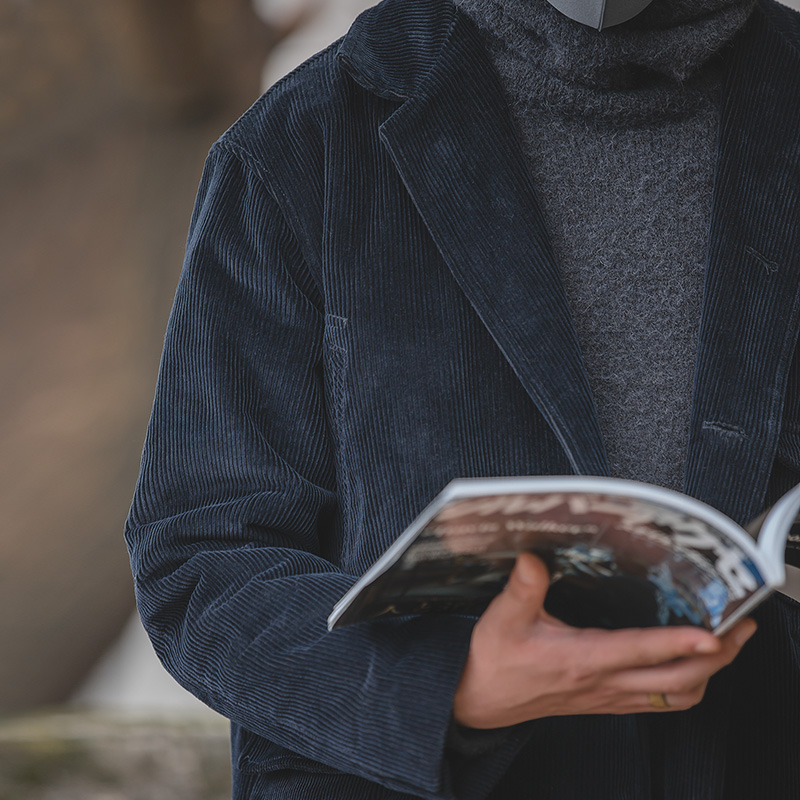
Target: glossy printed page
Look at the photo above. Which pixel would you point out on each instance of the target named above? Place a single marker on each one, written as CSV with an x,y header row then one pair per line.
x,y
615,560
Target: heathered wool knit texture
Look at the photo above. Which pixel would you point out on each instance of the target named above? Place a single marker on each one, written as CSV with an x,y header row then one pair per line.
x,y
620,131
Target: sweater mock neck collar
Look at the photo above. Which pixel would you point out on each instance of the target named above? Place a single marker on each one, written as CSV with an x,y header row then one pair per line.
x,y
660,61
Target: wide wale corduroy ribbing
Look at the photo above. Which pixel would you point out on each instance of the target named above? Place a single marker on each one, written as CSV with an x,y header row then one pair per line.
x,y
352,329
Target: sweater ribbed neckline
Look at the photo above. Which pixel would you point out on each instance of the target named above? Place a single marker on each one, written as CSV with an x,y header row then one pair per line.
x,y
662,62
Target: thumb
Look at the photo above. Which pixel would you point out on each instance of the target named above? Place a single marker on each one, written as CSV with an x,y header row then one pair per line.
x,y
522,601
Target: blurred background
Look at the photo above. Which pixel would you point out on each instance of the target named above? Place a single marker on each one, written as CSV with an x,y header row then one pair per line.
x,y
107,110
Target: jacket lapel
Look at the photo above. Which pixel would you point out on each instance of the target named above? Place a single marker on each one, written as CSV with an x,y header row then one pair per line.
x,y
455,148
750,316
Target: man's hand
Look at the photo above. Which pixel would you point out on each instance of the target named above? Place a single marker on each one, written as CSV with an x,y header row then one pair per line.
x,y
524,664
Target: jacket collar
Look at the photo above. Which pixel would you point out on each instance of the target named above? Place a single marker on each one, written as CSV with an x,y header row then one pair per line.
x,y
453,142
392,48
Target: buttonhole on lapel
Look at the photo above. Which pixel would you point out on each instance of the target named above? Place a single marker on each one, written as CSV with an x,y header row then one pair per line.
x,y
725,429
770,266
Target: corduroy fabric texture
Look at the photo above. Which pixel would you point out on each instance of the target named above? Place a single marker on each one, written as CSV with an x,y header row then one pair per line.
x,y
370,306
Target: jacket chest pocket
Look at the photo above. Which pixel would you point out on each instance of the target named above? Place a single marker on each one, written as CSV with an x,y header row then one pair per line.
x,y
336,363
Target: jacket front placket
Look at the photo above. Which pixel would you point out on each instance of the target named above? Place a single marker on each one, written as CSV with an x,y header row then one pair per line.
x,y
751,305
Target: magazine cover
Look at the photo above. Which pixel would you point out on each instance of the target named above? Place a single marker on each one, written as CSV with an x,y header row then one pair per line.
x,y
620,554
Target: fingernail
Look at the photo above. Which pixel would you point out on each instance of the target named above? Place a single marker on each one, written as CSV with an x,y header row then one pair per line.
x,y
707,646
744,634
524,571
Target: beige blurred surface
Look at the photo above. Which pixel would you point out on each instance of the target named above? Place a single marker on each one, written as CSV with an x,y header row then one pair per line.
x,y
106,113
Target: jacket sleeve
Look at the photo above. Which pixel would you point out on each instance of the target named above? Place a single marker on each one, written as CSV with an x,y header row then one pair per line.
x,y
234,511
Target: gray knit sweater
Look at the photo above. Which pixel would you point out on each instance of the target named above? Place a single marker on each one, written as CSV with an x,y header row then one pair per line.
x,y
620,131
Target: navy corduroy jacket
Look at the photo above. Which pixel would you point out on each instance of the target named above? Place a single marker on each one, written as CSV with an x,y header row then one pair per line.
x,y
369,308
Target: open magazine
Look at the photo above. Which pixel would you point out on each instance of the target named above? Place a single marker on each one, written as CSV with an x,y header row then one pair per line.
x,y
620,554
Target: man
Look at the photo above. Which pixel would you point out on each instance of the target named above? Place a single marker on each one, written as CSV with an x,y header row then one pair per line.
x,y
464,241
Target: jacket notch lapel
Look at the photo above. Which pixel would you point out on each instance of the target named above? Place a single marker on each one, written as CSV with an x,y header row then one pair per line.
x,y
456,150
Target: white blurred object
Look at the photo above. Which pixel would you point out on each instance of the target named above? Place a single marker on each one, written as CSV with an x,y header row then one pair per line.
x,y
130,679
327,21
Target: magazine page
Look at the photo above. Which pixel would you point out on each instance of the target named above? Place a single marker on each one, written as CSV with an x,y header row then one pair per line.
x,y
774,542
778,530
620,553
791,588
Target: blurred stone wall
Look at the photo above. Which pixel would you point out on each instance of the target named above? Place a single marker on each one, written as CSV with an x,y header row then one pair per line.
x,y
106,112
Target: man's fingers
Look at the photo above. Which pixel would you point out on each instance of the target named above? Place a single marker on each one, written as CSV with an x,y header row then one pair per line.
x,y
611,651
684,674
675,701
520,604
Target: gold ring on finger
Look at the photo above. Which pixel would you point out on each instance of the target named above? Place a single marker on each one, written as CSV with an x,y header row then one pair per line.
x,y
657,700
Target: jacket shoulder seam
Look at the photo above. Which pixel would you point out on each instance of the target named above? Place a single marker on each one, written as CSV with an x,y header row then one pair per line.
x,y
271,187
